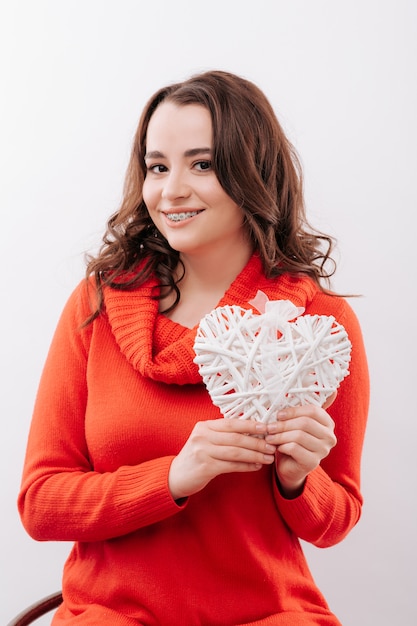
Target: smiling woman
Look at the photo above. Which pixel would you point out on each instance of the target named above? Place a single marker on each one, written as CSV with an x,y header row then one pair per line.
x,y
180,186
168,505
190,208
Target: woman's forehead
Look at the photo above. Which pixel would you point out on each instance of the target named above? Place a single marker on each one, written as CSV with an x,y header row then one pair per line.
x,y
187,126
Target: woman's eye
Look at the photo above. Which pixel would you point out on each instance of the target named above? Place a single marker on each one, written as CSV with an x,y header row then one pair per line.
x,y
203,165
156,169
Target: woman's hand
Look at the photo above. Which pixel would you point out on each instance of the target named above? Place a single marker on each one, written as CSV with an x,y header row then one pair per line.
x,y
303,436
218,447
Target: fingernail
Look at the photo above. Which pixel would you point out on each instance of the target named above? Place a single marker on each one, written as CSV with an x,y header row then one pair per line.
x,y
269,448
281,413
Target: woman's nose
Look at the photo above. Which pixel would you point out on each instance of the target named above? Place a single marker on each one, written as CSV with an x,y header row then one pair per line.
x,y
175,186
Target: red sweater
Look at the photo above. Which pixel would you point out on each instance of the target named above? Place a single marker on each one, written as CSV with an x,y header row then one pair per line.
x,y
116,402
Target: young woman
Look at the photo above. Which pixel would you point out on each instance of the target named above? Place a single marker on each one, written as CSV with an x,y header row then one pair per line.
x,y
178,517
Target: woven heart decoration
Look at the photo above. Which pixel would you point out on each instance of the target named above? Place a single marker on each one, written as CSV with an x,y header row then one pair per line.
x,y
254,365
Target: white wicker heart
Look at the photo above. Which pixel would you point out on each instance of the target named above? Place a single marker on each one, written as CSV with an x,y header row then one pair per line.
x,y
255,365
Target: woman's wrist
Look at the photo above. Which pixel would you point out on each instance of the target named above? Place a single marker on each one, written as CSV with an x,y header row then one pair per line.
x,y
290,489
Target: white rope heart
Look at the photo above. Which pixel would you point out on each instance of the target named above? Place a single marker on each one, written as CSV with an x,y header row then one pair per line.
x,y
255,365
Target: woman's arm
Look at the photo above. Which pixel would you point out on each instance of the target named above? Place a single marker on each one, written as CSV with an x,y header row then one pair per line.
x,y
328,502
62,497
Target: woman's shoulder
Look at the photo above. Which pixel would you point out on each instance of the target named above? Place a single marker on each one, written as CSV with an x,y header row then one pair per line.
x,y
328,303
338,307
80,304
306,293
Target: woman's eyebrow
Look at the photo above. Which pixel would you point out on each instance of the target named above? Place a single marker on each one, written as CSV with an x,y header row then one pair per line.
x,y
156,154
197,151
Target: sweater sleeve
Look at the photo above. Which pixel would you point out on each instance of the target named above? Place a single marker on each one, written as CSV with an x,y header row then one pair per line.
x,y
330,504
62,498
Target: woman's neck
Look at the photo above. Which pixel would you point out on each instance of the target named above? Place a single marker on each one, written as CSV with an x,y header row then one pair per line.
x,y
204,283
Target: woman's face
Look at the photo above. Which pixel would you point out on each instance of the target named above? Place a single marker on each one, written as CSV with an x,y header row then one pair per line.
x,y
181,191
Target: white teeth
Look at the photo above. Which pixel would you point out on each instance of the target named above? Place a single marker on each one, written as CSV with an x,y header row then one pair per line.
x,y
178,217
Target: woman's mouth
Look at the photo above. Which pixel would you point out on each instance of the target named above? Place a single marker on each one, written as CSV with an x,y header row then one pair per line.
x,y
184,215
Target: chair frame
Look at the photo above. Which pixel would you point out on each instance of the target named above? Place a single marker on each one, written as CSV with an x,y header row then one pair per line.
x,y
37,609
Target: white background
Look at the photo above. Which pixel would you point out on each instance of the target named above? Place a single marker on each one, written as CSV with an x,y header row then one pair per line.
x,y
342,78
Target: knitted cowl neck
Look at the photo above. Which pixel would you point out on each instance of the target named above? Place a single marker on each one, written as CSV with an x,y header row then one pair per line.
x,y
161,349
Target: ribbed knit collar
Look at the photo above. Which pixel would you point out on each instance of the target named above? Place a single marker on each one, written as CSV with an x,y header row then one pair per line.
x,y
161,349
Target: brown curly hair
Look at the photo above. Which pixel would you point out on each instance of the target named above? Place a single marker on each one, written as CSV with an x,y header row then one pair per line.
x,y
257,167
